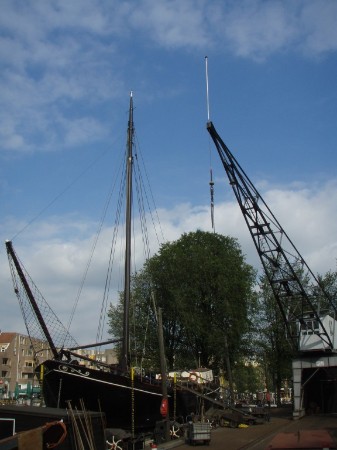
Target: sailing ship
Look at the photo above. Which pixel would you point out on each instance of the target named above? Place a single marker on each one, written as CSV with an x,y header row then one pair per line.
x,y
129,401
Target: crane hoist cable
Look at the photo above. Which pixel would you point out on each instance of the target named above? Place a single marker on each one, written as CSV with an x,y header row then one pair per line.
x,y
211,186
211,183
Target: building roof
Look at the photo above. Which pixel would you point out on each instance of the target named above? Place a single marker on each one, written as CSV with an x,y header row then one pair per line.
x,y
6,338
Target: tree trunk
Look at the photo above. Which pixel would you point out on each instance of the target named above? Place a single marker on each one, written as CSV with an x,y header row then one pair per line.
x,y
229,372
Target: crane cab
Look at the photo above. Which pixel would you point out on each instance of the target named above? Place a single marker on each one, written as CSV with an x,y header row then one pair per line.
x,y
314,335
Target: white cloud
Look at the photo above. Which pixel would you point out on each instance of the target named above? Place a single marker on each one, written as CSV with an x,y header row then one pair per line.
x,y
256,29
318,20
252,29
56,261
52,57
174,23
56,53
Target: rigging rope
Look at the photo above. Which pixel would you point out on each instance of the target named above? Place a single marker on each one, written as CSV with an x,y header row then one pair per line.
x,y
54,200
93,248
147,211
211,184
58,332
149,198
112,255
110,267
145,200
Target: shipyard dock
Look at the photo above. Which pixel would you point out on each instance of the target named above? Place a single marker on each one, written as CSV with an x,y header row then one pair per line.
x,y
273,434
260,437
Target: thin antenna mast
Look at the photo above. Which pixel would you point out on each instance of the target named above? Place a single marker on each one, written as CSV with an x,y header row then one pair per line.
x,y
211,183
207,94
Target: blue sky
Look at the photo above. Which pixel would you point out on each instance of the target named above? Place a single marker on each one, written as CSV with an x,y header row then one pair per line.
x,y
66,72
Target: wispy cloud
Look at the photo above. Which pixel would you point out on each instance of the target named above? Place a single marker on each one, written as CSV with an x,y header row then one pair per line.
x,y
57,54
256,29
174,24
252,29
317,25
57,262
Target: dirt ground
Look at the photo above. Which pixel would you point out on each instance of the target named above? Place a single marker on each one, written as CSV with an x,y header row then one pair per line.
x,y
258,437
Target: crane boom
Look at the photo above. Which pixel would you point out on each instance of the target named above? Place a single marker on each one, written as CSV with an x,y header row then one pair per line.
x,y
284,267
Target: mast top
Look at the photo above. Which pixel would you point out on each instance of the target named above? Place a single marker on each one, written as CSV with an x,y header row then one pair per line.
x,y
207,94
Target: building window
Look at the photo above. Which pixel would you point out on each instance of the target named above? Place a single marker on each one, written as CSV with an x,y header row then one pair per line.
x,y
27,376
29,364
22,340
4,347
5,361
310,327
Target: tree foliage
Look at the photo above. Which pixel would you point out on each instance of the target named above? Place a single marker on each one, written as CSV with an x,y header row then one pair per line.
x,y
274,347
328,282
210,312
205,290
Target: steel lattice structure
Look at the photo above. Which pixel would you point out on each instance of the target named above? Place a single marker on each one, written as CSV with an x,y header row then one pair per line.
x,y
284,267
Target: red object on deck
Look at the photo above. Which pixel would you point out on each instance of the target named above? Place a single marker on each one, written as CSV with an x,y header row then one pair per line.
x,y
164,407
305,439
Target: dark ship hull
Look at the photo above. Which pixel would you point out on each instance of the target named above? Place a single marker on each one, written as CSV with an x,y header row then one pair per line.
x,y
117,396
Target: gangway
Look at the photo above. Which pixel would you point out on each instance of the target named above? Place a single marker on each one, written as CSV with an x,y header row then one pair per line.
x,y
219,412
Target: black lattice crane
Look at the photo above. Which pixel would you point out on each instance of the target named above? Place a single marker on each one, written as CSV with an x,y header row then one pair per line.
x,y
308,326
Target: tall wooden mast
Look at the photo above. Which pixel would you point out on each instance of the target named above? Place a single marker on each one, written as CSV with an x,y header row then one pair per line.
x,y
127,275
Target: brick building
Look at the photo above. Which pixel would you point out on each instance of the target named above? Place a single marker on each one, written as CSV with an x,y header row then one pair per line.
x,y
17,363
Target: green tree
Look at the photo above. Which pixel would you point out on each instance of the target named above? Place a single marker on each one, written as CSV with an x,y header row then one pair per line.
x,y
329,283
205,290
275,347
249,377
